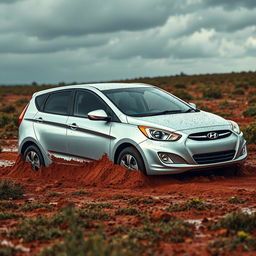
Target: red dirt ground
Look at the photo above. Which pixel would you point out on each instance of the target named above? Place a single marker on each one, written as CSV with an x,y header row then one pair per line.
x,y
107,182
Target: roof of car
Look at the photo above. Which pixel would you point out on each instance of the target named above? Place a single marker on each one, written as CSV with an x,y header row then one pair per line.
x,y
99,86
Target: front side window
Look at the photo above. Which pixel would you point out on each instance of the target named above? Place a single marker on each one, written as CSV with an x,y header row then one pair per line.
x,y
86,102
58,103
146,101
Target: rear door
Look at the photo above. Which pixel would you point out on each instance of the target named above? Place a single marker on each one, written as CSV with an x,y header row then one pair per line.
x,y
51,122
88,138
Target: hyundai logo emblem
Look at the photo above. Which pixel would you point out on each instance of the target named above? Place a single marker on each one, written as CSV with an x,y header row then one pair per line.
x,y
212,135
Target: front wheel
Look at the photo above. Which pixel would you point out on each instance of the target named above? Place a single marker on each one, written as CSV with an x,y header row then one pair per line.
x,y
33,156
131,159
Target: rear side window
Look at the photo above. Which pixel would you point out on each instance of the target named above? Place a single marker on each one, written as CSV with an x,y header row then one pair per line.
x,y
40,101
58,103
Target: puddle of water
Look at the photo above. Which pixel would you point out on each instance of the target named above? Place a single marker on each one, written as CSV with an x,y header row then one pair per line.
x,y
248,210
4,163
197,223
9,149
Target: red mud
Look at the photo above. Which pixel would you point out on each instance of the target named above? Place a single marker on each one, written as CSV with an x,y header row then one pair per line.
x,y
101,172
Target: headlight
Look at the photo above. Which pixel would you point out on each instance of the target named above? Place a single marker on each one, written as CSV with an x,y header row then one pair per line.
x,y
158,134
235,127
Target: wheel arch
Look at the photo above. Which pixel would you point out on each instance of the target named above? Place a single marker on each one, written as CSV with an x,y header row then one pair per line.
x,y
124,145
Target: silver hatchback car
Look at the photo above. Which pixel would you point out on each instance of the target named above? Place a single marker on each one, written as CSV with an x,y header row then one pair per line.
x,y
138,126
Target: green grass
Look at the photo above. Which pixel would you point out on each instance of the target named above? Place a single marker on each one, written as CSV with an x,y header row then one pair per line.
x,y
10,190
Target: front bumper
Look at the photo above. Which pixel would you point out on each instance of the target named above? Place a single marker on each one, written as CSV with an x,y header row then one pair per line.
x,y
183,151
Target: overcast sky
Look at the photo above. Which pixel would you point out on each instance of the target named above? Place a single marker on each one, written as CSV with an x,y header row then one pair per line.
x,y
96,40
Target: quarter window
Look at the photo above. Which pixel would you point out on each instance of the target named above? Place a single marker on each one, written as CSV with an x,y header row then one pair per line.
x,y
58,103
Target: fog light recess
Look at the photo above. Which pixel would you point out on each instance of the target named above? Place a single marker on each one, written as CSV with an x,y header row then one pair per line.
x,y
244,151
165,158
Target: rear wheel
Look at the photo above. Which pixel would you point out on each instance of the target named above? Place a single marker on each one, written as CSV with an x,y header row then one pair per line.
x,y
131,159
33,156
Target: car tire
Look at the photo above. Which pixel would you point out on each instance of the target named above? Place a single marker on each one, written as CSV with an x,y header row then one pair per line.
x,y
34,156
131,159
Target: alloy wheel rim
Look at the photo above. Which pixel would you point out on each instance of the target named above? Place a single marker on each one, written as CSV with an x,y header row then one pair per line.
x,y
129,161
33,158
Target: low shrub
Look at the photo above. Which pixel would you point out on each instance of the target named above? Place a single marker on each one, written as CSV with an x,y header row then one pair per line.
x,y
225,246
7,215
10,190
250,133
236,200
194,203
127,211
237,221
250,111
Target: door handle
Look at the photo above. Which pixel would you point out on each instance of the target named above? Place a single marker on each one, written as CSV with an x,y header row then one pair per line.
x,y
73,126
39,119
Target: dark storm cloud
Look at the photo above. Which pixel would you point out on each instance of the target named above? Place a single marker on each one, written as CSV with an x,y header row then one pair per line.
x,y
232,4
81,17
92,40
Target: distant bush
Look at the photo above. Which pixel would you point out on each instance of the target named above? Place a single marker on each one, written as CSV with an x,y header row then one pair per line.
x,y
180,86
212,92
183,94
21,102
242,85
250,111
238,91
252,100
203,107
8,109
226,104
250,133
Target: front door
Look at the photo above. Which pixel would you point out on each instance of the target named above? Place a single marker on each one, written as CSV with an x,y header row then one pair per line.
x,y
87,138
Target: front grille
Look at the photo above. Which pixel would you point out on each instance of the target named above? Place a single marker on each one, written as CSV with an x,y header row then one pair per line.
x,y
205,135
215,157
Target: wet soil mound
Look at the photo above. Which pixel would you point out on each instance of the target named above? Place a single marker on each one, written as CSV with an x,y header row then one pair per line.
x,y
101,172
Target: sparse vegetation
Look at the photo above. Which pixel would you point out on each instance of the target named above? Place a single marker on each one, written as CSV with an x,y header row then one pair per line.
x,y
250,133
127,211
250,111
80,192
32,206
10,190
194,203
212,92
8,205
99,205
52,193
137,200
183,94
236,200
237,221
7,215
224,246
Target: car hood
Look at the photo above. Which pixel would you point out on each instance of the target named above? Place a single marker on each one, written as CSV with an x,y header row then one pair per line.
x,y
181,121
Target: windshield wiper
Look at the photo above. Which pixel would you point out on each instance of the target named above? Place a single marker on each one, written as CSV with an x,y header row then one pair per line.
x,y
165,112
191,110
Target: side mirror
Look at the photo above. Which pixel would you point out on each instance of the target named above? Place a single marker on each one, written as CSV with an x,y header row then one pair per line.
x,y
98,115
193,105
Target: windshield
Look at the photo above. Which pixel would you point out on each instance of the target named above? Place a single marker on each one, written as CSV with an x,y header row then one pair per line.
x,y
146,101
